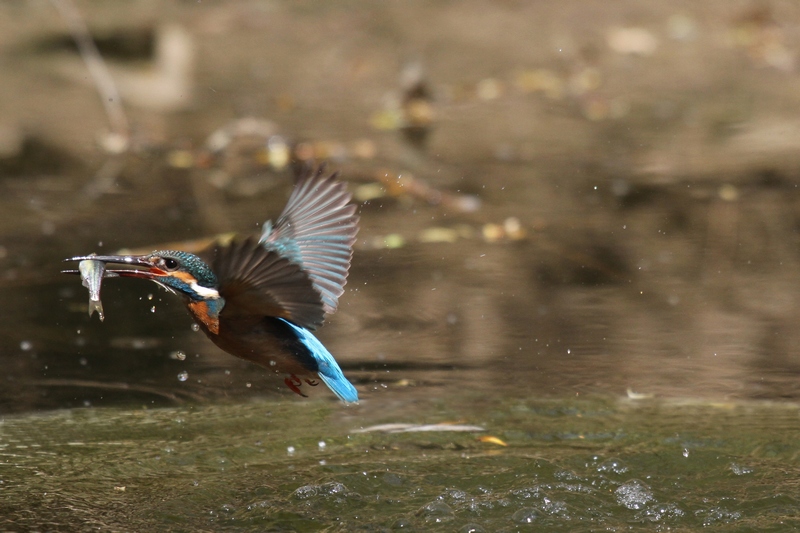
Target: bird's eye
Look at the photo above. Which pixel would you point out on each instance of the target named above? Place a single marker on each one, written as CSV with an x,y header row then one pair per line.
x,y
170,263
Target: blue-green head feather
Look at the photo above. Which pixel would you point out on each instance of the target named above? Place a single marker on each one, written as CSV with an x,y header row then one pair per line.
x,y
185,274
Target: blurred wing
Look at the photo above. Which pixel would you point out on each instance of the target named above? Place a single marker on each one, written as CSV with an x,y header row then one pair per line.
x,y
317,230
257,281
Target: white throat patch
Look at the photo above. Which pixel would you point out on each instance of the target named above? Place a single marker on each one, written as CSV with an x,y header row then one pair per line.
x,y
205,292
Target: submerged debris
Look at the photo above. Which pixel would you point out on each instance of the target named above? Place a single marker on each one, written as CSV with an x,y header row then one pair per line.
x,y
92,274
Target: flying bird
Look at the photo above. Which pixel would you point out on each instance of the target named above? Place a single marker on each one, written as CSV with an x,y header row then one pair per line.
x,y
260,298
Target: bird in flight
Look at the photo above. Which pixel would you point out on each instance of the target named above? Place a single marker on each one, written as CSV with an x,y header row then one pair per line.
x,y
260,298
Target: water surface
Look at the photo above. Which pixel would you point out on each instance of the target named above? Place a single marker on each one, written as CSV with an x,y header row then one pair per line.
x,y
559,465
586,245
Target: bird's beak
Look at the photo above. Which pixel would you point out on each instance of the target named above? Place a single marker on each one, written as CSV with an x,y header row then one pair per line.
x,y
139,266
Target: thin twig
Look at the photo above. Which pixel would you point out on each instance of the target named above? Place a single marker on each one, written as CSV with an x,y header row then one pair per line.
x,y
103,81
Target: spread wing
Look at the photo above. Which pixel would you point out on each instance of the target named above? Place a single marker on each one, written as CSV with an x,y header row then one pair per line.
x,y
317,230
257,281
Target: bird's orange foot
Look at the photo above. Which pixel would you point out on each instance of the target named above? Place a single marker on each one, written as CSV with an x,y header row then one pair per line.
x,y
293,382
312,382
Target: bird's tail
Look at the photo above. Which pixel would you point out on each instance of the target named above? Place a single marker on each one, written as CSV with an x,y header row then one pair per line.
x,y
328,370
333,377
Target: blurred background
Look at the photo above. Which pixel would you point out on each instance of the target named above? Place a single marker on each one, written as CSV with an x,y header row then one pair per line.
x,y
557,198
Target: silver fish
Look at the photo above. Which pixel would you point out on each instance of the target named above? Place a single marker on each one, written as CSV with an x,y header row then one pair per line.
x,y
92,274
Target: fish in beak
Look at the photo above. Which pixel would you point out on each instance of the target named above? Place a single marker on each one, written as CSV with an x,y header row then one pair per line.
x,y
92,269
139,266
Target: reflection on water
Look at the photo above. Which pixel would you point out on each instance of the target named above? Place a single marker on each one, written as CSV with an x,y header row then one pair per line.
x,y
646,297
415,313
570,222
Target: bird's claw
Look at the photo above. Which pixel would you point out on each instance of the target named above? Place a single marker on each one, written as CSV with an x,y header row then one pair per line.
x,y
293,382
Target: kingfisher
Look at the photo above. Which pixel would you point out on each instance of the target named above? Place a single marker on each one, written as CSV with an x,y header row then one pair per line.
x,y
259,298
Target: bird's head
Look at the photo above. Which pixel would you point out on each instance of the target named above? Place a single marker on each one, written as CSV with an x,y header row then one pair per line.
x,y
179,272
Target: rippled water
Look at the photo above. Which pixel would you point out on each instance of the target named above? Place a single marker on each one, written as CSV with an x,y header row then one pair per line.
x,y
558,465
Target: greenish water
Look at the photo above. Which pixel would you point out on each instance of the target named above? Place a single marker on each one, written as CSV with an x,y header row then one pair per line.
x,y
568,465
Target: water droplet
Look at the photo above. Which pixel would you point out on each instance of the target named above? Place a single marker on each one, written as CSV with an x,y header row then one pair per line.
x,y
195,327
306,492
436,512
150,296
83,361
183,376
740,470
686,452
525,516
321,444
612,466
25,346
179,355
248,385
290,450
153,309
634,494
